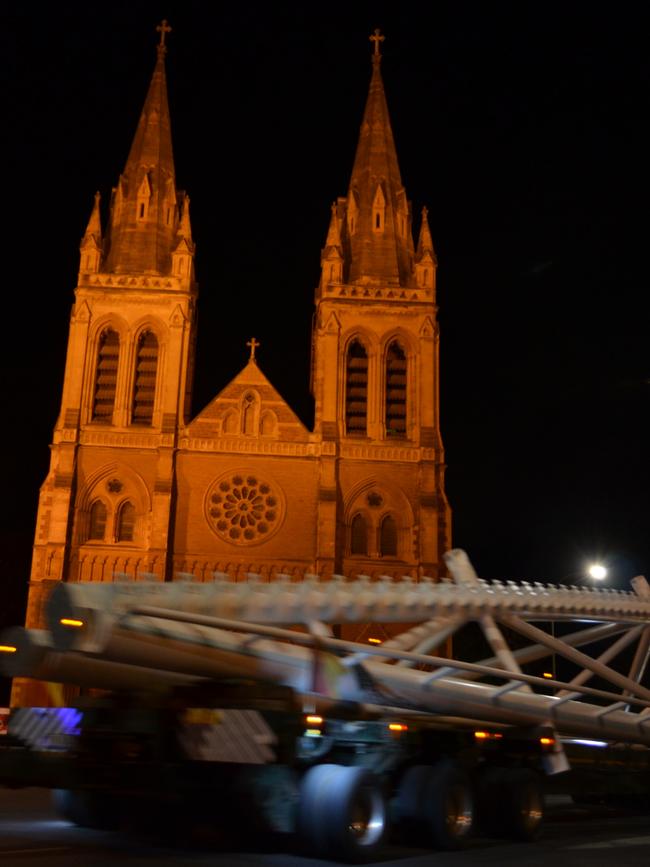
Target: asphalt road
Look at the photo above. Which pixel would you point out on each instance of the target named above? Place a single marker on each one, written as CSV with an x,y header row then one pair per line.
x,y
31,835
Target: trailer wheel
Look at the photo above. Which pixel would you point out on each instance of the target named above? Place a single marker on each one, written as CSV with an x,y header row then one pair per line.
x,y
86,809
524,802
342,812
436,805
449,806
512,803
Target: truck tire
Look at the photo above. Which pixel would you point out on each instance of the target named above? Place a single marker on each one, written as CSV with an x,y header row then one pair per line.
x,y
511,803
524,801
87,809
342,812
435,805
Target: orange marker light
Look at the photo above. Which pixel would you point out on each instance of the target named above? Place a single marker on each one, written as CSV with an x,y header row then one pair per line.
x,y
398,727
374,641
547,674
481,736
68,621
314,720
547,742
7,648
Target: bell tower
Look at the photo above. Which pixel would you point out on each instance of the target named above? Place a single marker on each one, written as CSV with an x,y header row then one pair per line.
x,y
382,505
106,504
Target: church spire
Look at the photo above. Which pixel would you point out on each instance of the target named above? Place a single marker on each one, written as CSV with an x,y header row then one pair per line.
x,y
144,212
378,215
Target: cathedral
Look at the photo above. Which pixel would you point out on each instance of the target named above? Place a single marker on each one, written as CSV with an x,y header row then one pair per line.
x,y
138,489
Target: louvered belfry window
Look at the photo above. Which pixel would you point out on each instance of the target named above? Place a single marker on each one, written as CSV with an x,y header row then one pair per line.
x,y
106,376
97,525
126,523
388,537
359,535
356,390
144,387
395,391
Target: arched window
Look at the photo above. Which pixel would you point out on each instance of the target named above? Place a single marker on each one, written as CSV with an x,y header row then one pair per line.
x,y
230,422
388,537
144,386
125,522
97,527
108,354
248,414
356,389
359,535
395,391
267,424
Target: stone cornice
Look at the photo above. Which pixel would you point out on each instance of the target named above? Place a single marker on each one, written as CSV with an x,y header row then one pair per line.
x,y
365,451
167,283
129,439
391,294
381,452
232,445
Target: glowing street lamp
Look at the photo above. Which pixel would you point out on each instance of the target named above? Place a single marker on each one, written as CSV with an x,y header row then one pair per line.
x,y
597,571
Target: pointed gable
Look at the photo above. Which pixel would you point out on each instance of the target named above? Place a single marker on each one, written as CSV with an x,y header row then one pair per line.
x,y
249,406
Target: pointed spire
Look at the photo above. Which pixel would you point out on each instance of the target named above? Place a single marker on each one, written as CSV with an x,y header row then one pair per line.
x,y
334,232
91,246
378,212
425,241
185,227
94,227
331,255
425,257
144,214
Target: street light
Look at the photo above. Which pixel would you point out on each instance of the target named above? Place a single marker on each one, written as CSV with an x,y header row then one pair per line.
x,y
597,571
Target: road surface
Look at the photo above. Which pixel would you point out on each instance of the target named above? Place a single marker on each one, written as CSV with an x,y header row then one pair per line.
x,y
31,835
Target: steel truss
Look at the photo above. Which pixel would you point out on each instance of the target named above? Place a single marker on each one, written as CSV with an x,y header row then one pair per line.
x,y
158,635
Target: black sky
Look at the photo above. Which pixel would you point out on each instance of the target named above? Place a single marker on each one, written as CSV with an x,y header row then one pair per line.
x,y
521,126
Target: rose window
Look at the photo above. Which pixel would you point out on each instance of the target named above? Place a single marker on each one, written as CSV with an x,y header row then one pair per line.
x,y
244,509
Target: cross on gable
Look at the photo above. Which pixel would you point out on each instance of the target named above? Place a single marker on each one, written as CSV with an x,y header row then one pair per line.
x,y
377,37
163,28
253,345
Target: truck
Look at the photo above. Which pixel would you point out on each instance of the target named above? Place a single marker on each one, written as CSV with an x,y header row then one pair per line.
x,y
234,704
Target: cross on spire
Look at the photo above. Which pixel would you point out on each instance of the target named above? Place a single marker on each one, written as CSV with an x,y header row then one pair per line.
x,y
253,345
377,37
163,28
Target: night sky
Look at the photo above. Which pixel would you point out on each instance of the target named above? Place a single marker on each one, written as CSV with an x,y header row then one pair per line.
x,y
522,127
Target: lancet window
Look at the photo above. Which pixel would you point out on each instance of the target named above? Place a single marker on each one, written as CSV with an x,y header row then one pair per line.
x,y
144,386
249,411
359,535
396,370
97,523
125,523
388,537
356,389
108,354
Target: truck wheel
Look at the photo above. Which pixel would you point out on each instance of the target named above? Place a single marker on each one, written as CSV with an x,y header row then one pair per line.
x,y
86,809
342,812
524,802
449,806
435,805
511,803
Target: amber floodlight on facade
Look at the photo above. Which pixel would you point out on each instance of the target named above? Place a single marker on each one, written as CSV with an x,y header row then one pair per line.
x,y
139,490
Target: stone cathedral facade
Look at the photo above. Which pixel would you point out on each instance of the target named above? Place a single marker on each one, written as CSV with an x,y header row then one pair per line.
x,y
140,489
